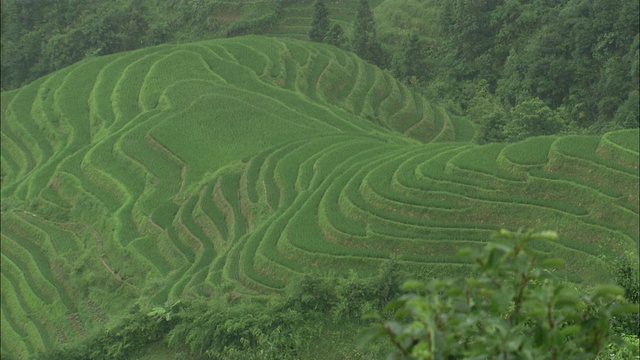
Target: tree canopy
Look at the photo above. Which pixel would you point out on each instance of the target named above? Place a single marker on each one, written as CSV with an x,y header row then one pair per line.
x,y
319,22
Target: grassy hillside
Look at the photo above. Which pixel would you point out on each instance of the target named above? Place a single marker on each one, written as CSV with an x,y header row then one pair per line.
x,y
235,165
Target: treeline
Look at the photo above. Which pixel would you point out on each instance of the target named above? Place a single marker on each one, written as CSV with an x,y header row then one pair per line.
x,y
517,68
229,325
362,40
522,68
41,36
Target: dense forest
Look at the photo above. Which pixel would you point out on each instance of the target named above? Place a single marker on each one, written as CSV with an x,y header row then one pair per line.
x,y
40,36
571,66
568,65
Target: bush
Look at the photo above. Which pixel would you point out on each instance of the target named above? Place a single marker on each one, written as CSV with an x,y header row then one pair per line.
x,y
626,275
532,118
513,308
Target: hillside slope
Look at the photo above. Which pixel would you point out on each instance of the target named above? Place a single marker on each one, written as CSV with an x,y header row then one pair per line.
x,y
235,165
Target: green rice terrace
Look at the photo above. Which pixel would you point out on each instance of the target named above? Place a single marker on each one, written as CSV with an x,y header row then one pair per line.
x,y
179,171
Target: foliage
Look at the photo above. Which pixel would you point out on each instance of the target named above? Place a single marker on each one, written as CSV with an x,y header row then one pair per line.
x,y
228,326
39,37
578,57
117,28
119,342
164,313
626,275
532,118
336,36
365,41
345,298
261,17
218,330
319,22
513,307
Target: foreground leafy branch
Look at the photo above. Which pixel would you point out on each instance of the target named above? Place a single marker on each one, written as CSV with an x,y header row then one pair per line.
x,y
513,308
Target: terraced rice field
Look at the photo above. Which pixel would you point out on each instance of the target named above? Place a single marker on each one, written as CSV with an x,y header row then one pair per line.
x,y
180,170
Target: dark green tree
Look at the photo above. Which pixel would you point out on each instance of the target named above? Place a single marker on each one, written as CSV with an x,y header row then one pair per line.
x,y
319,22
470,34
628,115
532,118
625,271
335,36
415,60
365,42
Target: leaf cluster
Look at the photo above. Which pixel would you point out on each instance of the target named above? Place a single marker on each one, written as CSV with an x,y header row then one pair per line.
x,y
513,308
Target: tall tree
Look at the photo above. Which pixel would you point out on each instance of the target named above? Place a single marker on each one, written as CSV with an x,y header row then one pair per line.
x,y
365,43
415,62
532,118
319,22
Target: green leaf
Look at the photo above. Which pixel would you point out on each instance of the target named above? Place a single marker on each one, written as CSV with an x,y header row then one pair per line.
x,y
571,330
441,284
608,290
566,301
157,311
622,309
372,316
394,305
369,335
412,285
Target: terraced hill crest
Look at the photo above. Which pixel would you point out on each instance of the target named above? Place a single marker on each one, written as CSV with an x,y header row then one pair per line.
x,y
239,164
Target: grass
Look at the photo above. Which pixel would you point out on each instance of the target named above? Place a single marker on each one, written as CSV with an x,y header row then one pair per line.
x,y
178,66
530,152
483,161
620,146
212,210
25,340
237,164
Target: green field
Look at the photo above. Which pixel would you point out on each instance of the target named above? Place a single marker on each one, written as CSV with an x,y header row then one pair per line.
x,y
170,172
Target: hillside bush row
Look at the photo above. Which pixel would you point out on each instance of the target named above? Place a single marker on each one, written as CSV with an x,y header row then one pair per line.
x,y
525,310
232,326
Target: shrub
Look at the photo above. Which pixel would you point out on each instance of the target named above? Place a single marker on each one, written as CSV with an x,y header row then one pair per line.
x,y
532,118
512,308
